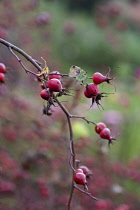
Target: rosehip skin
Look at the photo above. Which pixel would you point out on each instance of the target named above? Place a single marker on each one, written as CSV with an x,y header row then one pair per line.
x,y
79,170
92,89
87,94
105,134
99,127
85,169
2,77
2,68
98,78
55,76
80,178
54,85
45,94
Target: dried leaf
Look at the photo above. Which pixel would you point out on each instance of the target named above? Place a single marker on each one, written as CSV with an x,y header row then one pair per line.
x,y
74,71
45,71
82,77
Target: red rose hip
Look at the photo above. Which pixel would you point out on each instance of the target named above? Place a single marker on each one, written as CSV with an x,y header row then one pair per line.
x,y
79,170
80,178
45,94
105,134
85,170
54,85
2,68
2,78
87,94
99,127
55,75
98,78
92,89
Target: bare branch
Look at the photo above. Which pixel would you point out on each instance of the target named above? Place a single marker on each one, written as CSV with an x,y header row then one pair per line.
x,y
27,71
83,118
72,152
85,192
28,57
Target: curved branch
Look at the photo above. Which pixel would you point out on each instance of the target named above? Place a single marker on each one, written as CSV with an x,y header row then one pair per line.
x,y
19,60
85,192
83,118
28,57
72,152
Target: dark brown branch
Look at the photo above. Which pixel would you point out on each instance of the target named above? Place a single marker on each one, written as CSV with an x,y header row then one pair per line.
x,y
83,118
29,58
27,70
72,152
85,192
19,60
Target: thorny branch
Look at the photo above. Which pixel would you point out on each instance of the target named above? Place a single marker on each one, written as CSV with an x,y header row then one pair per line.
x,y
12,47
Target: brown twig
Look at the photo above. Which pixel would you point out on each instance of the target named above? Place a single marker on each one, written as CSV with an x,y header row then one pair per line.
x,y
29,58
72,152
19,60
85,192
83,118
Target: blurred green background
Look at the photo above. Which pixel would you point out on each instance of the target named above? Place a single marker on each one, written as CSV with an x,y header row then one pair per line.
x,y
94,35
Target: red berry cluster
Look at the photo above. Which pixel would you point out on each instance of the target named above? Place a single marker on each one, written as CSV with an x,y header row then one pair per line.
x,y
52,85
92,89
81,174
104,132
2,71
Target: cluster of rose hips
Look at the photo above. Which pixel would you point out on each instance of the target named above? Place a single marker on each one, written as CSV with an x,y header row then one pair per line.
x,y
52,83
104,132
81,174
2,71
92,89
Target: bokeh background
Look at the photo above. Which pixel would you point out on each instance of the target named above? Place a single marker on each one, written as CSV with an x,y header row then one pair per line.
x,y
34,148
